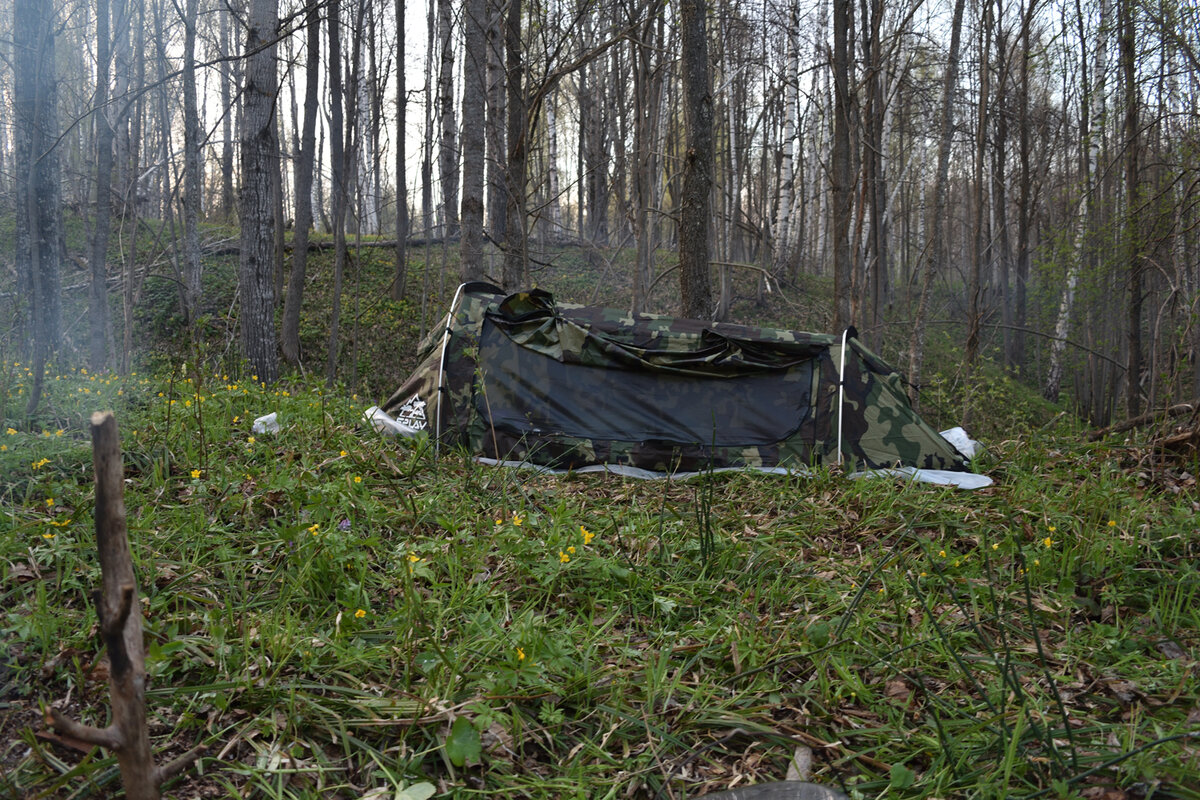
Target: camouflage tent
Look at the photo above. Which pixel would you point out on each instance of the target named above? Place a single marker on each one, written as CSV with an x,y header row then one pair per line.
x,y
522,378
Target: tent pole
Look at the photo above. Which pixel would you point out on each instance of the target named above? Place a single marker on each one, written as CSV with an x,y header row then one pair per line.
x,y
841,394
437,422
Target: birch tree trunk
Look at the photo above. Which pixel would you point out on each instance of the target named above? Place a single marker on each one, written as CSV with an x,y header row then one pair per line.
x,y
783,211
553,207
1091,132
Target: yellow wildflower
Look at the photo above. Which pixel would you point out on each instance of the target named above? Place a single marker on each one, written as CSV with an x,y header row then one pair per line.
x,y
358,478
59,432
1047,542
517,519
11,431
571,550
563,557
995,545
343,454
360,613
1112,523
587,535
47,535
314,528
942,553
196,474
520,654
249,440
50,501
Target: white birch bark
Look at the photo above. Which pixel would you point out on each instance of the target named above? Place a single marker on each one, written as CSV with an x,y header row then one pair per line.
x,y
1093,136
785,209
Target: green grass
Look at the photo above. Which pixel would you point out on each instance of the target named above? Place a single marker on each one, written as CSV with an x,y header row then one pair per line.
x,y
581,636
332,612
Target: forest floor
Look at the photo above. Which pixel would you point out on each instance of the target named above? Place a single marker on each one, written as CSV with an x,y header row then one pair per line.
x,y
337,614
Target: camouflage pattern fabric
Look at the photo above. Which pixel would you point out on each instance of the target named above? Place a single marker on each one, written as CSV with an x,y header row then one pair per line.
x,y
522,378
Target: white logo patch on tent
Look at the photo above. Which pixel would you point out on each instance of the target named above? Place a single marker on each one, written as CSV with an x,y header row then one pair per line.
x,y
412,413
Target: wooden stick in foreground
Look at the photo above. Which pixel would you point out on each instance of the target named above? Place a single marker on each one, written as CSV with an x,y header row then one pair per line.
x,y
121,627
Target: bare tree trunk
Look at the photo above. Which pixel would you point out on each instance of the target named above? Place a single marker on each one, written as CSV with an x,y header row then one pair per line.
x,y
1025,195
553,207
840,175
648,79
783,212
497,155
400,274
695,282
260,151
228,203
874,165
1000,184
337,157
980,247
38,221
131,160
1091,132
427,210
304,181
1128,55
515,255
191,169
732,195
278,198
98,322
934,263
448,149
473,114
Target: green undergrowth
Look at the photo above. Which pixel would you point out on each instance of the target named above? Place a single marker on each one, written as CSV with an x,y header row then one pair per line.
x,y
334,613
